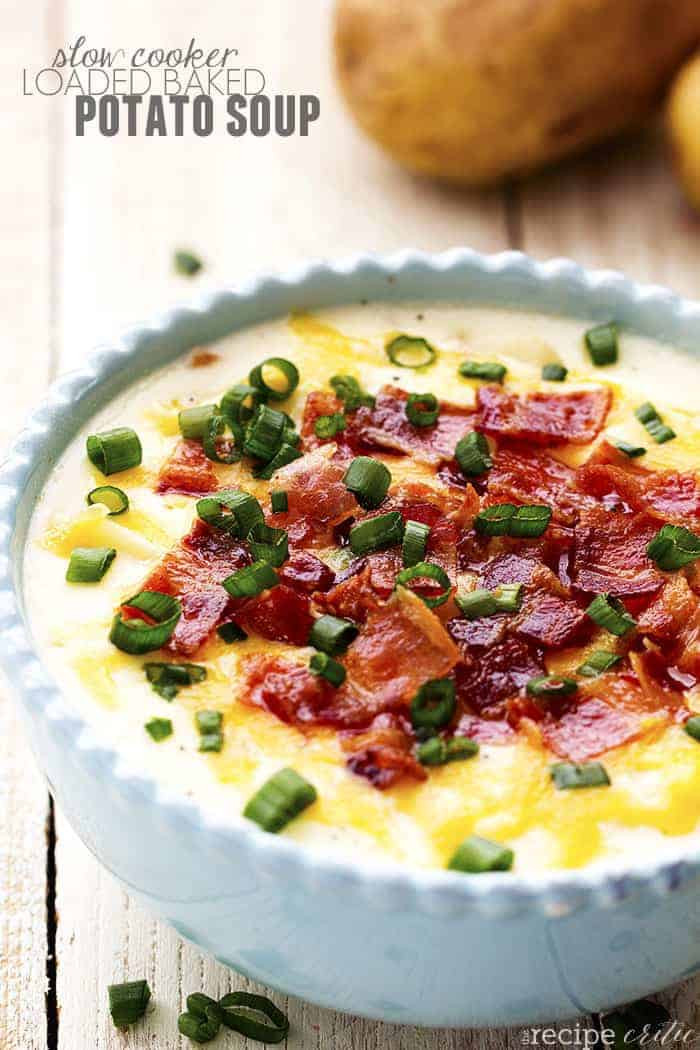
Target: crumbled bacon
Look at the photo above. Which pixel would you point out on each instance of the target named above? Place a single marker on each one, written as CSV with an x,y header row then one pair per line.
x,y
193,572
522,475
610,554
543,418
666,495
305,572
491,669
317,498
280,614
285,688
382,753
187,470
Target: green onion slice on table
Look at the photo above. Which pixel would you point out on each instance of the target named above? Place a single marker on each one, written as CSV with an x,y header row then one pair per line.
x,y
128,1002
112,451
114,499
254,1016
280,799
136,636
410,351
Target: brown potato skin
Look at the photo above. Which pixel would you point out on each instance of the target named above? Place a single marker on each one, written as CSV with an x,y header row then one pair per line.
x,y
478,90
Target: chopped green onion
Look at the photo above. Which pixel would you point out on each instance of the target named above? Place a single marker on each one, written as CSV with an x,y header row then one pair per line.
x,y
554,373
167,679
329,426
410,351
551,685
209,721
281,798
240,402
89,564
128,1002
601,342
437,752
187,264
251,580
568,775
332,635
477,855
137,637
653,424
233,510
610,613
368,479
280,367
495,520
348,390
597,663
112,451
434,704
254,1016
422,409
211,742
279,502
530,521
217,446
415,540
284,455
425,570
231,632
264,432
692,727
159,729
268,544
674,546
477,604
194,422
385,530
633,451
326,667
197,1028
488,371
115,500
473,454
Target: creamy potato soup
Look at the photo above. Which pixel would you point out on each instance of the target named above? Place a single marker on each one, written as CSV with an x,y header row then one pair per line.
x,y
422,589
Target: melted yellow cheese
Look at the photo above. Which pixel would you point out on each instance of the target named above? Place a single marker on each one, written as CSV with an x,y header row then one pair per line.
x,y
505,793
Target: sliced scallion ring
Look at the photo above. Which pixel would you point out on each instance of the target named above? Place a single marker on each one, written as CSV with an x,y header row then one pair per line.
x,y
264,433
329,426
241,401
136,636
422,409
279,502
487,371
89,564
281,798
217,446
437,752
159,729
547,686
168,678
128,1002
692,727
385,530
194,422
368,479
495,520
415,540
554,373
112,451
348,390
325,666
609,612
633,451
653,423
230,632
276,377
673,547
530,521
285,454
231,510
254,1016
601,343
268,544
434,704
473,454
332,635
479,603
251,580
425,570
568,775
477,855
410,351
114,499
597,663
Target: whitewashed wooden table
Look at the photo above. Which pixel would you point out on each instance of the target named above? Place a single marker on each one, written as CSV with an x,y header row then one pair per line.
x,y
88,230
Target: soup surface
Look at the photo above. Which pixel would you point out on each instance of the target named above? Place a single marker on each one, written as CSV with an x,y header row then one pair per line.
x,y
561,624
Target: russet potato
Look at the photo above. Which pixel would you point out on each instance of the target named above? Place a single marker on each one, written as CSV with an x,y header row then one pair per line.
x,y
684,128
478,90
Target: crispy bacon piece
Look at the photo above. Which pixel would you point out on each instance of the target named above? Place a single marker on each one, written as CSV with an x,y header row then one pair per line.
x,y
673,619
286,689
280,614
610,554
306,573
522,475
193,572
382,754
317,498
363,588
492,669
664,494
543,418
322,403
187,470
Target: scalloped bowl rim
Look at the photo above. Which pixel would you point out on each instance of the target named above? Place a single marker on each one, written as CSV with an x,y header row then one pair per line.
x,y
556,892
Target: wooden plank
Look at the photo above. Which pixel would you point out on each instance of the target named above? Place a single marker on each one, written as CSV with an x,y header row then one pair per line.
x,y
24,366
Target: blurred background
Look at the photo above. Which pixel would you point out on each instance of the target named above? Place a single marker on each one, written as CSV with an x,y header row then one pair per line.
x,y
435,94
